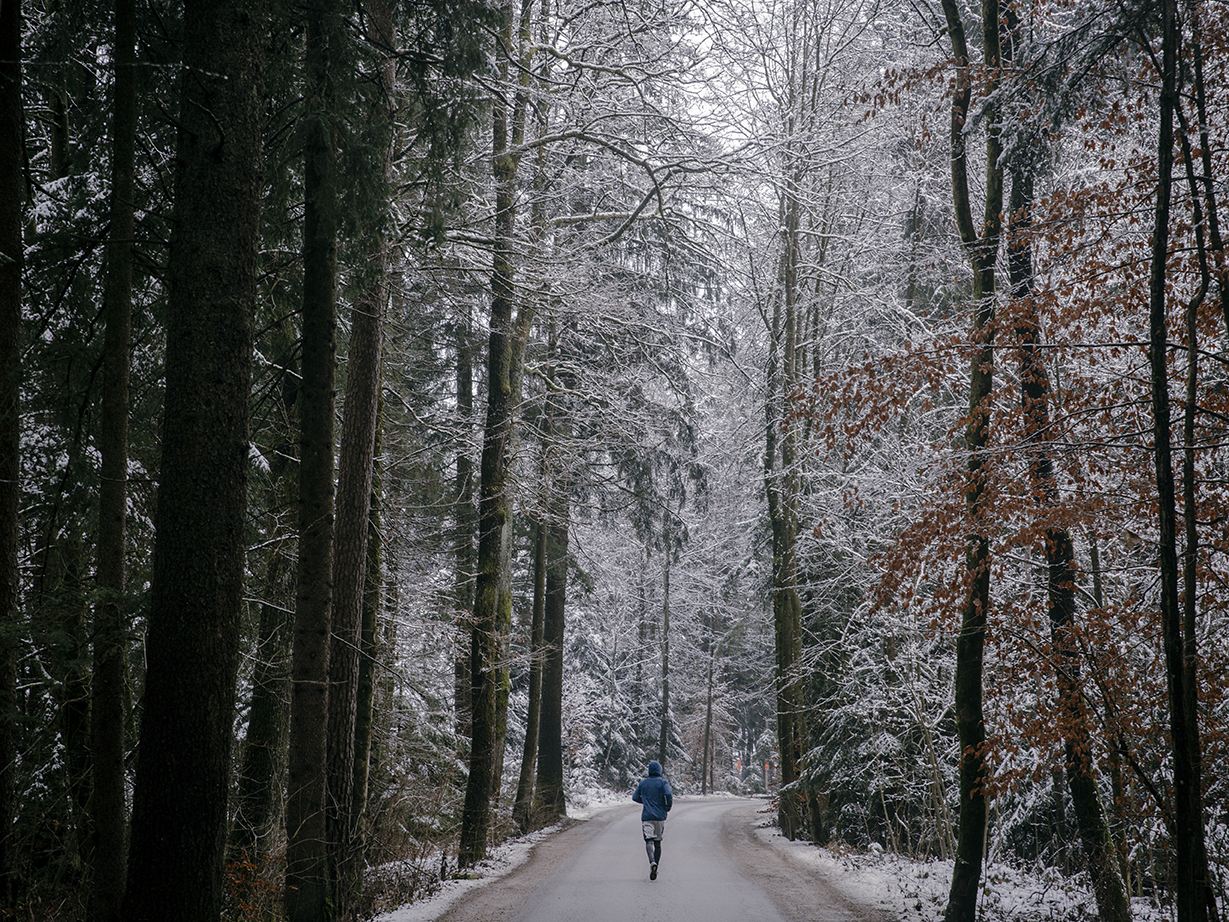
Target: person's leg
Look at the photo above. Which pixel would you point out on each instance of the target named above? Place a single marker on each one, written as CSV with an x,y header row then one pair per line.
x,y
648,847
656,858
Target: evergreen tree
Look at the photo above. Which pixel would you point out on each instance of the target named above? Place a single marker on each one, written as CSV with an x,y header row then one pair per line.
x,y
183,776
12,197
307,882
108,730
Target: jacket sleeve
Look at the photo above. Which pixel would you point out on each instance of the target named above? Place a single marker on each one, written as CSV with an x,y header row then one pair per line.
x,y
669,797
636,796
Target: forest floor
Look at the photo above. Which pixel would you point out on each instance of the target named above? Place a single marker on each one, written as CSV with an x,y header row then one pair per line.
x,y
804,882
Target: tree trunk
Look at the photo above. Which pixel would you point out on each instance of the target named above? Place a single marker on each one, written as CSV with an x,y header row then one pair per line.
x,y
464,523
12,197
550,800
502,675
1213,269
260,793
350,562
787,812
108,803
354,487
183,771
533,714
307,892
1113,905
663,733
781,486
1216,245
503,357
365,707
705,760
493,511
970,643
640,694
516,366
1193,895
59,622
526,794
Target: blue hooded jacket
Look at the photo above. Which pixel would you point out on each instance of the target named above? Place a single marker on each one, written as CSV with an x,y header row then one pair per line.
x,y
654,792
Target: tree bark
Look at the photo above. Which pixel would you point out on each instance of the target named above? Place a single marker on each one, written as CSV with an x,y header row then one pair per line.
x,y
350,562
1214,274
1216,245
783,481
354,488
1113,904
533,714
108,799
493,511
550,800
59,627
781,487
372,595
523,811
787,810
705,760
640,693
502,674
260,789
464,522
520,333
663,732
12,197
183,772
503,357
307,891
259,792
970,643
1193,894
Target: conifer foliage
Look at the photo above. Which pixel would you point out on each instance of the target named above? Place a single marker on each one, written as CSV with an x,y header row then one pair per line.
x,y
414,417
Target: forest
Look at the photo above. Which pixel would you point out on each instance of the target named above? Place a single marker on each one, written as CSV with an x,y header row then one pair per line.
x,y
415,413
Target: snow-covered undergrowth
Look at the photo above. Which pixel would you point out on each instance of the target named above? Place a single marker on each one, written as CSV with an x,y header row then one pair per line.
x,y
916,891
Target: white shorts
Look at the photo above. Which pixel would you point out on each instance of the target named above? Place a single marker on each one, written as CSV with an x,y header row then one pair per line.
x,y
653,829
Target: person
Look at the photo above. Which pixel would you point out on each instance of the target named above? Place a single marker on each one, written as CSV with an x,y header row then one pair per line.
x,y
655,794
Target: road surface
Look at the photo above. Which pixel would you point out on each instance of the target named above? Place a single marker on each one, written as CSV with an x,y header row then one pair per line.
x,y
712,870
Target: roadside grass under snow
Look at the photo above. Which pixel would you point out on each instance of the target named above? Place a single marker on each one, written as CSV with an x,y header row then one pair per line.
x,y
916,891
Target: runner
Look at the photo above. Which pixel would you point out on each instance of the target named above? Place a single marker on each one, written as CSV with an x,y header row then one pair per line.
x,y
655,794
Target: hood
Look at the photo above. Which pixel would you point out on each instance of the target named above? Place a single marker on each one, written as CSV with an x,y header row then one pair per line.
x,y
654,768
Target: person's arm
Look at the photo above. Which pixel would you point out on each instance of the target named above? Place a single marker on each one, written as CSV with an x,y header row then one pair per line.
x,y
636,796
669,797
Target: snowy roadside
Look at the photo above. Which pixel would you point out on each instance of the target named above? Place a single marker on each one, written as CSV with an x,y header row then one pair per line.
x,y
502,861
898,887
916,891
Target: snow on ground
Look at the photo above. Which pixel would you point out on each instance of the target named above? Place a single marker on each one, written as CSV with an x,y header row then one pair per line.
x,y
916,891
501,861
906,889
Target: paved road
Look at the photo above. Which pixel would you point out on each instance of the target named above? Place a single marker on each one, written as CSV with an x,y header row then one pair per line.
x,y
712,870
608,878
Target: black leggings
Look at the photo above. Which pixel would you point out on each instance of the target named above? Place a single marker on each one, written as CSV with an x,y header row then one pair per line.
x,y
653,848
